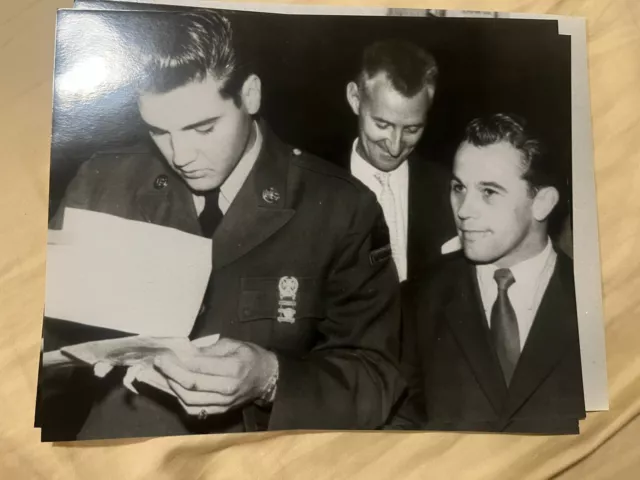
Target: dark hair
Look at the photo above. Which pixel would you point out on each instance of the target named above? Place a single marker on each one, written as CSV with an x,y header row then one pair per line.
x,y
189,46
408,67
539,169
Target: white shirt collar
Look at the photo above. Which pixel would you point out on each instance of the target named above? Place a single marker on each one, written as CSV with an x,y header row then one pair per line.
x,y
532,278
532,265
362,169
525,272
232,185
530,269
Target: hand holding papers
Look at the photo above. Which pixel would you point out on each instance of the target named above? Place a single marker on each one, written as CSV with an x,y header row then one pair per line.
x,y
135,277
137,353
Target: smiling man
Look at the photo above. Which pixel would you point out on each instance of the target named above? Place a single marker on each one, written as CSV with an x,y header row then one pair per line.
x,y
391,96
303,291
494,343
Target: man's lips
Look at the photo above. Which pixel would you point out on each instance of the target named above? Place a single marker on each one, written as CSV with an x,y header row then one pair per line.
x,y
474,234
192,175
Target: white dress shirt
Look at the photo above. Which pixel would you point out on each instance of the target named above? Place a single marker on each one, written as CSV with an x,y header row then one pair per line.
x,y
232,185
399,183
532,278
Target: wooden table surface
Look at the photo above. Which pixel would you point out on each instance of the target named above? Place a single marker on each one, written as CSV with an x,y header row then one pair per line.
x,y
609,444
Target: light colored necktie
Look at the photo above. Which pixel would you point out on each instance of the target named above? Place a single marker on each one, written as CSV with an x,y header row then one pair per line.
x,y
504,325
387,201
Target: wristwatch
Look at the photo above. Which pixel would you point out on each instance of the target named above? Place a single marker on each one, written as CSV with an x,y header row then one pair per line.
x,y
269,390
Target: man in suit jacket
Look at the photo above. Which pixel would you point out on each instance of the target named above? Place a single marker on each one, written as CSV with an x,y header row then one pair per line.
x,y
494,336
391,97
303,291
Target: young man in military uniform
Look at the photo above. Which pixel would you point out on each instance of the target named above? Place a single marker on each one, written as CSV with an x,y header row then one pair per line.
x,y
303,291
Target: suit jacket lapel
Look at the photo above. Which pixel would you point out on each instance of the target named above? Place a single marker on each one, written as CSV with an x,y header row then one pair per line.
x,y
415,225
253,216
547,342
430,218
466,319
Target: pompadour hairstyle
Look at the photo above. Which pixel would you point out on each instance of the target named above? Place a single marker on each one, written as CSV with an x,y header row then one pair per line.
x,y
189,47
538,168
409,68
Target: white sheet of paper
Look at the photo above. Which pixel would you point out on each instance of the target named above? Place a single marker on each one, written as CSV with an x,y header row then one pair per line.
x,y
136,277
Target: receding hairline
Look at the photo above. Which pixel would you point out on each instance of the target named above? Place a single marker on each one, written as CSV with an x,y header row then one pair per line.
x,y
365,82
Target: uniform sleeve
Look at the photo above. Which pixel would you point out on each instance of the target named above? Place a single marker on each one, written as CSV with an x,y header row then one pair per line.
x,y
350,380
79,192
409,413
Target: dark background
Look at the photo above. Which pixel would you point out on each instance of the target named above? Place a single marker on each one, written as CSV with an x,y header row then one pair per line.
x,y
305,62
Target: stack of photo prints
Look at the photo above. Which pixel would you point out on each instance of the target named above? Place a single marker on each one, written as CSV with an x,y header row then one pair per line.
x,y
286,217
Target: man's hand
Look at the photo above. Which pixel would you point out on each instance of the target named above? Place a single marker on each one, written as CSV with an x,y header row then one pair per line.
x,y
220,377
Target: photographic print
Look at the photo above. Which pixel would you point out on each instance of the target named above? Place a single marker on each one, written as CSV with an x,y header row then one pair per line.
x,y
370,215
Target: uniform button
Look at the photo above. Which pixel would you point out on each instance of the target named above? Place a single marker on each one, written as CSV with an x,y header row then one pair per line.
x,y
161,182
270,195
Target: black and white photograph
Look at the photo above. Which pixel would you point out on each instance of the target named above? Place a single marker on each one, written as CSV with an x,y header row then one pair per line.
x,y
269,221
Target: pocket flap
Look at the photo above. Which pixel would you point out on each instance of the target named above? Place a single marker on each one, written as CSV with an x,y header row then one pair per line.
x,y
283,299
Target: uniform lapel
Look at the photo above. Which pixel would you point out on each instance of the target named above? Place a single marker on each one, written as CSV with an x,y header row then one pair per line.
x,y
465,317
548,340
261,207
164,199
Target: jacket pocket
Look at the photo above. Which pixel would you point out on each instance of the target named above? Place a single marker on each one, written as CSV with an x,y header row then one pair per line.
x,y
285,310
284,299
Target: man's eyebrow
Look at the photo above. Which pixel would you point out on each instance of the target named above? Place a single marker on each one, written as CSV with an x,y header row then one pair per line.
x,y
201,123
494,185
382,120
154,128
191,126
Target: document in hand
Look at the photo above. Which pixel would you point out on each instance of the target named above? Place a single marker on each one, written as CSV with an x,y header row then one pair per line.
x,y
136,277
137,353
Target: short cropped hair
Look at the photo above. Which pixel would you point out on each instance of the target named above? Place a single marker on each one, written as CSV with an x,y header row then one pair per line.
x,y
191,46
539,170
409,68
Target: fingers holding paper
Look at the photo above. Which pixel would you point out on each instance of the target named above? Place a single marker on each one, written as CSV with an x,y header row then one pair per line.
x,y
219,377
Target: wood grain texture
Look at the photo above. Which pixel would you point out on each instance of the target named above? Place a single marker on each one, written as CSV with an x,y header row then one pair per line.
x,y
608,445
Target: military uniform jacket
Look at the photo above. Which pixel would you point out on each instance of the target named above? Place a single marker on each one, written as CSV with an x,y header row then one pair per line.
x,y
337,360
455,379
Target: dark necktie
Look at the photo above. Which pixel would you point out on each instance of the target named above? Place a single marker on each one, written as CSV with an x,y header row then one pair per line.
x,y
504,325
210,218
211,215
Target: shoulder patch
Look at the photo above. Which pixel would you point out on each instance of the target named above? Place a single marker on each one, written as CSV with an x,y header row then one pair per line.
x,y
380,255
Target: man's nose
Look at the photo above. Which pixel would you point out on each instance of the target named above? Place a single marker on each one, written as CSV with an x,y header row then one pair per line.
x,y
466,207
394,143
183,152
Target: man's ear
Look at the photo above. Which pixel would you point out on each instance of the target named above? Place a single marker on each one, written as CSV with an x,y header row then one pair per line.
x,y
431,91
353,97
252,94
544,202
